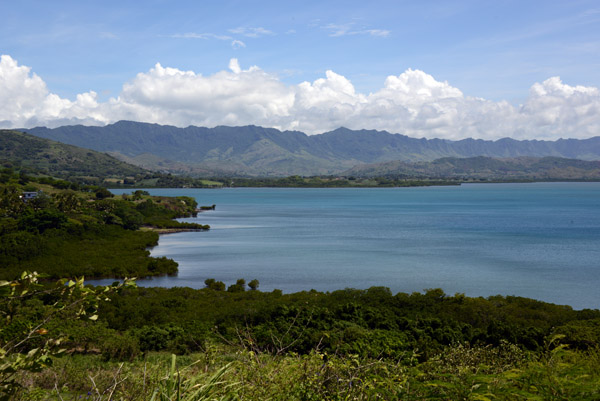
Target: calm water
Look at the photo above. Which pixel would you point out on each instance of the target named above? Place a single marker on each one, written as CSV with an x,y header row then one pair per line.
x,y
537,240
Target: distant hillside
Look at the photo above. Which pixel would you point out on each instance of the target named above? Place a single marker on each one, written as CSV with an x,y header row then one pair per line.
x,y
222,150
261,151
481,167
60,160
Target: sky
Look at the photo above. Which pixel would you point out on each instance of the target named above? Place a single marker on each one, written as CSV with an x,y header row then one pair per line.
x,y
446,69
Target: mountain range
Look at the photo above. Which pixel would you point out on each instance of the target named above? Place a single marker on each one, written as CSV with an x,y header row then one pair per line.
x,y
258,151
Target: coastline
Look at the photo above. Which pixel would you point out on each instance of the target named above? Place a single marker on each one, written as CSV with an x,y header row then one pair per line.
x,y
164,231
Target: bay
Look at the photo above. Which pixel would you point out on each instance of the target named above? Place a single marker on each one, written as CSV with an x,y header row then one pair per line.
x,y
536,240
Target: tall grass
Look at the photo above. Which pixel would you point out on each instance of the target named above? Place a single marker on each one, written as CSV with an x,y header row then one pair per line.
x,y
229,373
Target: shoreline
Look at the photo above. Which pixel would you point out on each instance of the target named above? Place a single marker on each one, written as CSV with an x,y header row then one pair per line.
x,y
163,231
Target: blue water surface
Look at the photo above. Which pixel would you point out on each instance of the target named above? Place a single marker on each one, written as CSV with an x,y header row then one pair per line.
x,y
537,240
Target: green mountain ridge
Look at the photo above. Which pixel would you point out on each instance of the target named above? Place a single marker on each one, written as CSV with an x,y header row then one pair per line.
x,y
62,160
258,151
264,158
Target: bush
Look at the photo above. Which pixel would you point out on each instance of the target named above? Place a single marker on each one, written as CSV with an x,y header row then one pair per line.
x,y
155,338
121,347
103,193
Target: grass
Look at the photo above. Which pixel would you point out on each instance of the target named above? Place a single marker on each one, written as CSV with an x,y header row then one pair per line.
x,y
227,372
211,183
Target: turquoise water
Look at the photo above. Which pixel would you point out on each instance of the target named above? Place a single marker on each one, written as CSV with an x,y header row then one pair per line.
x,y
539,240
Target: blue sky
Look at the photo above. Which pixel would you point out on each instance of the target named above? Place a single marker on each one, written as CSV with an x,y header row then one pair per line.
x,y
491,50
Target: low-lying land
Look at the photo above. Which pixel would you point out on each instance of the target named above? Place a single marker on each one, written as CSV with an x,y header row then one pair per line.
x,y
486,169
67,230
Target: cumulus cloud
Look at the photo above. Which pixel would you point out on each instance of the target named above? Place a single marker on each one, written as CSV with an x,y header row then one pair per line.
x,y
553,105
25,101
412,103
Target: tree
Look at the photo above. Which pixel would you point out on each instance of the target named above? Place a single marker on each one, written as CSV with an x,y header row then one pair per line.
x,y
137,195
239,286
42,220
253,284
212,284
102,193
67,201
11,203
132,219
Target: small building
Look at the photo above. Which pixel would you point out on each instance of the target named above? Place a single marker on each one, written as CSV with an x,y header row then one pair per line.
x,y
29,195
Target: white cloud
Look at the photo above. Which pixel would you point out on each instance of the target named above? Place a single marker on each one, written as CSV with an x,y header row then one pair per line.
x,y
552,106
376,32
194,35
237,44
25,100
337,30
412,103
252,32
234,66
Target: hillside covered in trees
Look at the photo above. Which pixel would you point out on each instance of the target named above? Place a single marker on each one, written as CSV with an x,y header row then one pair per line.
x,y
485,168
61,160
37,157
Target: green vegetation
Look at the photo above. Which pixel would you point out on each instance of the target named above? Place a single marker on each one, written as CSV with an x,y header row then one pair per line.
x,y
40,157
370,323
485,169
31,155
69,230
85,166
29,312
68,341
259,152
350,344
226,372
296,181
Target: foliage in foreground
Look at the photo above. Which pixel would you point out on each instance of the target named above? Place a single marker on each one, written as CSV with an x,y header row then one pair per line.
x,y
220,373
28,339
285,360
